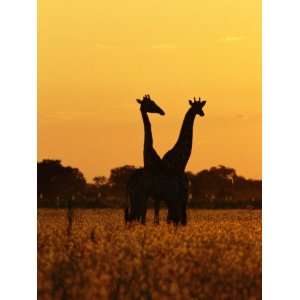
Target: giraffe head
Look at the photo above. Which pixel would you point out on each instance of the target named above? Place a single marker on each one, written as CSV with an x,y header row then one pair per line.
x,y
149,106
197,106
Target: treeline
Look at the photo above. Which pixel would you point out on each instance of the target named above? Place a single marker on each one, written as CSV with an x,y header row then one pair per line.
x,y
218,187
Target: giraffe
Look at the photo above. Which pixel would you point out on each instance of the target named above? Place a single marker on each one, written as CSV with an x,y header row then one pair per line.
x,y
176,159
152,161
166,181
169,181
153,165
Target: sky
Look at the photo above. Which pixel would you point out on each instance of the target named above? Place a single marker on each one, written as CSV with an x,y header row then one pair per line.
x,y
96,58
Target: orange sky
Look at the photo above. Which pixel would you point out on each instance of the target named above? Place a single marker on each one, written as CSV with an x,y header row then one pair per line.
x,y
95,58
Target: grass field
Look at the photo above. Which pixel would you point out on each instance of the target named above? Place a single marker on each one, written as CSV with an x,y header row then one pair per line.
x,y
216,256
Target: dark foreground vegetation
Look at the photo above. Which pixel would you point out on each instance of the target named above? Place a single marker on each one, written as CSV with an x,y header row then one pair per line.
x,y
218,187
217,256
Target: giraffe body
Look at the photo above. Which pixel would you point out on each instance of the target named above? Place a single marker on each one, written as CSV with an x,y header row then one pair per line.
x,y
173,189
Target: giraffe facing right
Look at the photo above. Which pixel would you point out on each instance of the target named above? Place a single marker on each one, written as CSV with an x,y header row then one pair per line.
x,y
176,159
137,190
152,161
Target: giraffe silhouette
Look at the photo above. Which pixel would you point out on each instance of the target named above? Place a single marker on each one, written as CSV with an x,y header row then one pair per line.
x,y
151,181
152,161
136,188
176,159
164,179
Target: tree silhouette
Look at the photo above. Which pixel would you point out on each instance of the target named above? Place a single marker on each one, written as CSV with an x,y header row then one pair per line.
x,y
100,180
221,187
58,182
217,187
119,177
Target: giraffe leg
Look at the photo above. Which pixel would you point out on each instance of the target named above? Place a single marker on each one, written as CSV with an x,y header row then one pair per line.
x,y
129,210
135,207
143,208
171,212
183,215
183,209
156,211
126,215
169,216
176,218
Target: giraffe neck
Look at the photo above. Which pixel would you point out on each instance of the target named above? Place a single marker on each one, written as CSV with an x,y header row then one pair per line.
x,y
177,158
148,139
185,138
152,161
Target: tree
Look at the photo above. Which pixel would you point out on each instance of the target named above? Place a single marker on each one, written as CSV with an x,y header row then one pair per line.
x,y
118,179
100,180
217,187
119,176
212,187
56,182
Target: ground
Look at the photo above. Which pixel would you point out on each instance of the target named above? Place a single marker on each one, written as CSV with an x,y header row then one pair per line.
x,y
216,256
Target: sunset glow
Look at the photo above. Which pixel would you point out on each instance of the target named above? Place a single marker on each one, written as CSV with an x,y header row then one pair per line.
x,y
95,58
